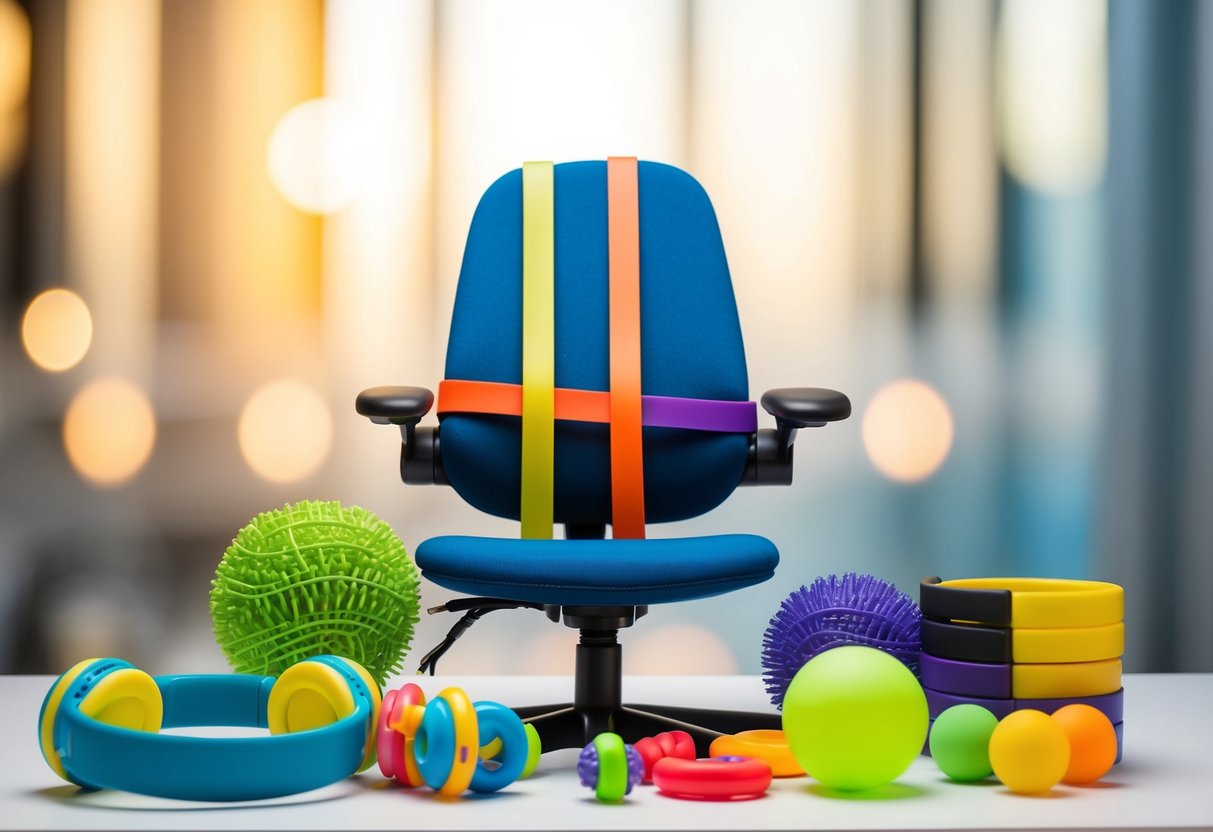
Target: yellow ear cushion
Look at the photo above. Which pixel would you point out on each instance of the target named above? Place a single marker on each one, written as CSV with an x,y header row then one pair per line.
x,y
312,694
308,695
46,729
125,698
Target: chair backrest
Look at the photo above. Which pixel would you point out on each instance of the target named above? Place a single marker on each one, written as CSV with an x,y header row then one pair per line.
x,y
691,345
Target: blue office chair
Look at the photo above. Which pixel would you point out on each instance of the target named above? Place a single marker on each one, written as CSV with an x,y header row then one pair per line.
x,y
697,445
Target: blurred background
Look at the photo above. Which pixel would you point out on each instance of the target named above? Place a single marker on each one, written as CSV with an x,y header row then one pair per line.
x,y
990,223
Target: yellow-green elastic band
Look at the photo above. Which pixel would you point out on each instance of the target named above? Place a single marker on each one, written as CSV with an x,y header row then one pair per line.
x,y
538,348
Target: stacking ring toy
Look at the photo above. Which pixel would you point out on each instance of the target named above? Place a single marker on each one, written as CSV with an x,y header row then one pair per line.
x,y
610,767
974,643
447,743
496,722
666,744
399,719
533,749
770,746
716,778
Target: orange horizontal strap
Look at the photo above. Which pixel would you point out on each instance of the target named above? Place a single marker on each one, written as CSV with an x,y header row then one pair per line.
x,y
462,396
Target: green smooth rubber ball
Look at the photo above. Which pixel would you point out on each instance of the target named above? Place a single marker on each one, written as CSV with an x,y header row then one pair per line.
x,y
855,718
960,742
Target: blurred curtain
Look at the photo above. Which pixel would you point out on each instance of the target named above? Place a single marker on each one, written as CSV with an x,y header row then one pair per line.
x,y
1156,523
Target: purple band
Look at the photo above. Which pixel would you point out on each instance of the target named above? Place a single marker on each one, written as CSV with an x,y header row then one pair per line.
x,y
938,702
1112,704
699,414
989,681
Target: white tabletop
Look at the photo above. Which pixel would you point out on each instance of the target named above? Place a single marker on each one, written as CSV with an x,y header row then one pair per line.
x,y
1165,781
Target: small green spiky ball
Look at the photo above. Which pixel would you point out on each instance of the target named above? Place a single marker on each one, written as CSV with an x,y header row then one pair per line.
x,y
314,578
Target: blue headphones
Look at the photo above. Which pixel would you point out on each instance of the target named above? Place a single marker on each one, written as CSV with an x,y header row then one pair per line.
x,y
99,726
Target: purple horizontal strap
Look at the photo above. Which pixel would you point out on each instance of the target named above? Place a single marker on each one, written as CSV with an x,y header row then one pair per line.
x,y
938,702
1111,704
699,414
992,681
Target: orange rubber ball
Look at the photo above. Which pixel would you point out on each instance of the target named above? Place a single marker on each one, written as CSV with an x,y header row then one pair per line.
x,y
1092,743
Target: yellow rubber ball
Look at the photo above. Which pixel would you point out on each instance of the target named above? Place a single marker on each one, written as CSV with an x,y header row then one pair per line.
x,y
1029,752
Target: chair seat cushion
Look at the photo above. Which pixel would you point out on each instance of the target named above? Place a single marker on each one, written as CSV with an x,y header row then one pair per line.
x,y
598,572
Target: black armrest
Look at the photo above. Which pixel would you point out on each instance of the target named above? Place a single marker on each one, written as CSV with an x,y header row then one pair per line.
x,y
394,405
806,407
770,460
420,453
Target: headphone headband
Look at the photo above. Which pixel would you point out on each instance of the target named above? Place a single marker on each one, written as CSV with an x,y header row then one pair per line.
x,y
102,755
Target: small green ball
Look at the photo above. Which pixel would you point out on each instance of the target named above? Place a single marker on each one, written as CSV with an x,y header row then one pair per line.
x,y
960,742
855,718
314,578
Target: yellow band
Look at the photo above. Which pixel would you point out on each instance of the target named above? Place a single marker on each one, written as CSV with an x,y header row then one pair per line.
x,y
1053,602
1073,644
538,347
1065,681
467,742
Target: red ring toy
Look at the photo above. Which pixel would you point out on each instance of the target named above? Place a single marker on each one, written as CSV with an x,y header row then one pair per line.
x,y
395,748
678,744
715,778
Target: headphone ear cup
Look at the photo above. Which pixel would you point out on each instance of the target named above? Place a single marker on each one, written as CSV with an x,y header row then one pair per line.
x,y
375,694
315,692
308,695
50,709
125,698
110,691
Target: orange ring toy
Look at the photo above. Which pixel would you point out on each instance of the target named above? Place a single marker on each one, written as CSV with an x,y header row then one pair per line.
x,y
767,745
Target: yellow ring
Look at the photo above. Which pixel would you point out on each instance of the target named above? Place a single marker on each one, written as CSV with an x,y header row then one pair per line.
x,y
770,746
1074,644
467,742
1065,681
1054,602
46,731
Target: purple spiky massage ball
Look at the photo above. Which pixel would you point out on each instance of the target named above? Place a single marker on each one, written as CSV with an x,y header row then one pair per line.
x,y
831,612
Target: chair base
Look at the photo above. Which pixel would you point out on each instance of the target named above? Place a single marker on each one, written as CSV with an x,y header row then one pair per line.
x,y
597,704
566,726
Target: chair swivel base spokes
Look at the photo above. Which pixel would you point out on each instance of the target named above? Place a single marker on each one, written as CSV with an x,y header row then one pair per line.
x,y
598,706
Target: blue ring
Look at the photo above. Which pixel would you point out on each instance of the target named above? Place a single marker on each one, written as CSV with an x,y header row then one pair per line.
x,y
499,722
434,745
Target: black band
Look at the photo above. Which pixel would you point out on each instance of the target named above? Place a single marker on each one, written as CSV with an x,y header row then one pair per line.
x,y
951,603
966,642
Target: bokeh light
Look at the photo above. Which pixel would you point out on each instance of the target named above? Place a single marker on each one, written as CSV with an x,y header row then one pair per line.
x,y
1052,82
907,430
57,330
315,156
285,431
14,83
14,56
109,431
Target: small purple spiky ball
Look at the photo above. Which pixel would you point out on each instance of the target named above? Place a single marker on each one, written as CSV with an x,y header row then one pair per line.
x,y
831,612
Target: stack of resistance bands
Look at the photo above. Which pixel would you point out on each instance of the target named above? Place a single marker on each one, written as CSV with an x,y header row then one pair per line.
x,y
1013,643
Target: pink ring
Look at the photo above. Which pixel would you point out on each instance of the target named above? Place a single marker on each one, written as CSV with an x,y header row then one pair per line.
x,y
389,743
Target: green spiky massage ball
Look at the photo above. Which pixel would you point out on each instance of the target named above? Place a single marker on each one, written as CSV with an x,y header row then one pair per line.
x,y
313,578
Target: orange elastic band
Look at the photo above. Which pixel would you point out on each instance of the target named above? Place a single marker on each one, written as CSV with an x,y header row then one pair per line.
x,y
627,453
